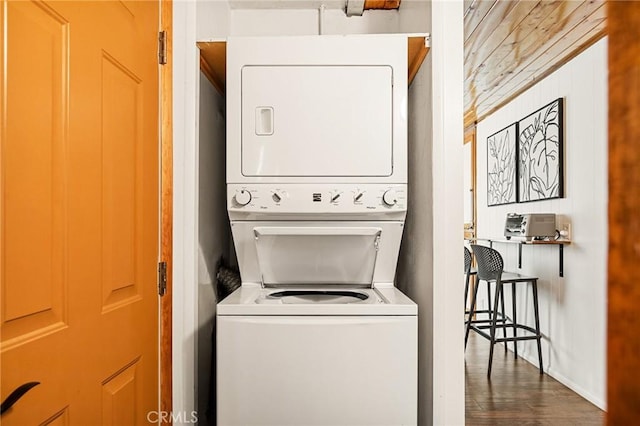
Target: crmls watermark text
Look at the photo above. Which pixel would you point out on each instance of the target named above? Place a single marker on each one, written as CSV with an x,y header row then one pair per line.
x,y
179,417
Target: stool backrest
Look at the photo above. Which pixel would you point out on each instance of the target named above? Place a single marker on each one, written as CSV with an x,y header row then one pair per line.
x,y
490,263
467,260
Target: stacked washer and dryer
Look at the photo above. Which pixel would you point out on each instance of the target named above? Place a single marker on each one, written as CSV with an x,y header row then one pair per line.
x,y
317,197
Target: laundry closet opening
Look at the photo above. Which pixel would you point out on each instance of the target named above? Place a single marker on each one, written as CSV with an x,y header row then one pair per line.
x,y
213,233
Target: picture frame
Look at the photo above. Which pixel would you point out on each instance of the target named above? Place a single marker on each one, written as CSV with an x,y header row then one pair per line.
x,y
540,154
502,182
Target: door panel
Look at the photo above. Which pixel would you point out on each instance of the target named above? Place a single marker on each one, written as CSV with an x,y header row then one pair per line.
x,y
60,418
119,394
33,156
121,106
79,211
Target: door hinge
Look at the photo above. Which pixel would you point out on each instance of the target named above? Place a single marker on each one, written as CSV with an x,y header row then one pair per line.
x,y
162,278
162,47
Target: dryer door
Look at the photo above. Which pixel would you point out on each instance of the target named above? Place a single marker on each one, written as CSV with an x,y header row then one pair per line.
x,y
317,121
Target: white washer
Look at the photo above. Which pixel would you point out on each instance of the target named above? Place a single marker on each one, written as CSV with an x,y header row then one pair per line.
x,y
334,364
317,334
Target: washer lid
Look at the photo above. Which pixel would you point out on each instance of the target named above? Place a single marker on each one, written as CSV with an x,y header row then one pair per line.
x,y
293,256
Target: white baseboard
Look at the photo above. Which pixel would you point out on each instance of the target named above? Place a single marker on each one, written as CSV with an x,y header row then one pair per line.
x,y
533,360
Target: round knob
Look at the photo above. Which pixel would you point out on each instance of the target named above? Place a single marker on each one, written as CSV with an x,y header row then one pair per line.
x,y
277,196
243,197
357,197
335,196
390,198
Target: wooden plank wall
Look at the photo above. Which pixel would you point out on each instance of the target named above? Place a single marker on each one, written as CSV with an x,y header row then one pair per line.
x,y
511,45
624,222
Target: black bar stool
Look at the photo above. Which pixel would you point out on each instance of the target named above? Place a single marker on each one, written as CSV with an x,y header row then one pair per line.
x,y
490,269
469,317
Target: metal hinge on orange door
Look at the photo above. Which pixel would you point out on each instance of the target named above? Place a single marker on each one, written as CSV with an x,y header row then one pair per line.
x,y
162,278
162,47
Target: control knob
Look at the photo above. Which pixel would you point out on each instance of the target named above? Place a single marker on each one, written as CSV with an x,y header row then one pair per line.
x,y
277,196
243,197
390,198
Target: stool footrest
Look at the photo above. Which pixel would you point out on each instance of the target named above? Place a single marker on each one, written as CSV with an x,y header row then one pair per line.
x,y
501,317
480,330
487,336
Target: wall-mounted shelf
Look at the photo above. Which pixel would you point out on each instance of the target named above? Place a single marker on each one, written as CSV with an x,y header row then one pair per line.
x,y
560,243
213,59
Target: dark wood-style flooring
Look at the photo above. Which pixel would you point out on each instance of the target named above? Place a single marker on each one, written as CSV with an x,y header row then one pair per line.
x,y
517,394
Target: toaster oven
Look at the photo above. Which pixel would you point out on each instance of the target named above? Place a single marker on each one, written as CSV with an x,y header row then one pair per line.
x,y
530,225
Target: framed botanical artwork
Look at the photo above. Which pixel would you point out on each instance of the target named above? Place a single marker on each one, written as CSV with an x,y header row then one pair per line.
x,y
540,156
502,185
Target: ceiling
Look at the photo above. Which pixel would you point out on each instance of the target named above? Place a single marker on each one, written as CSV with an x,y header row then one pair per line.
x,y
510,45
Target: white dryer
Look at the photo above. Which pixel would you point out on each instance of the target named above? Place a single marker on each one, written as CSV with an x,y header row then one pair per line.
x,y
317,334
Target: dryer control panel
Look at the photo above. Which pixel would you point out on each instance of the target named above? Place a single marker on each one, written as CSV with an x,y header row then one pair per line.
x,y
317,198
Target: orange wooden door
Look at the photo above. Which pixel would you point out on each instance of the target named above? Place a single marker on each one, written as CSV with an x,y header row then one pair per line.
x,y
79,211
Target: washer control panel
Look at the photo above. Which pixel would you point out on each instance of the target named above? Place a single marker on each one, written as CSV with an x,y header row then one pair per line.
x,y
317,198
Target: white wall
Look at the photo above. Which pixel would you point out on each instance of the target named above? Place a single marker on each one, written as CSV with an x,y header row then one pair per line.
x,y
573,308
213,232
217,19
185,186
415,263
213,19
428,267
447,112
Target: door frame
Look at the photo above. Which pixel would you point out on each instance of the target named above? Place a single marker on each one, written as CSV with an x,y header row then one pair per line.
x,y
166,210
623,322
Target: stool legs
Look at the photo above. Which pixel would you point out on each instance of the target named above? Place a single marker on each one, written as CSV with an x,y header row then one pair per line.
x,y
515,320
472,310
494,321
489,299
499,299
534,287
492,312
504,313
466,290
